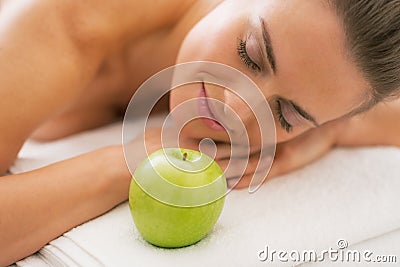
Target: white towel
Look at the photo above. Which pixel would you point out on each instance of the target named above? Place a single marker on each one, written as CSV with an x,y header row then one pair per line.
x,y
350,194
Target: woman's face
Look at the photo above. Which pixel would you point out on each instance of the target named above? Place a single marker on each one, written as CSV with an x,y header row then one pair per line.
x,y
293,50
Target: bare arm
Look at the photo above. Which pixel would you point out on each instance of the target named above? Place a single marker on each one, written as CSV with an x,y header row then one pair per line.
x,y
38,206
378,127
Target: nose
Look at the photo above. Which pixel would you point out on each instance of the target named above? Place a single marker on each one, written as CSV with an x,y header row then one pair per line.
x,y
242,118
237,109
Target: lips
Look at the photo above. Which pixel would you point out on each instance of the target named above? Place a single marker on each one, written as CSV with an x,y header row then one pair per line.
x,y
205,112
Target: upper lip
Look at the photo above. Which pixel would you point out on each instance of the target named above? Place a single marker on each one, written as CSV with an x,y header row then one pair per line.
x,y
214,113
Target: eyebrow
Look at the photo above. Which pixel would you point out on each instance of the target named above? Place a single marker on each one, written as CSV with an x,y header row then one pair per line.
x,y
272,62
268,45
303,113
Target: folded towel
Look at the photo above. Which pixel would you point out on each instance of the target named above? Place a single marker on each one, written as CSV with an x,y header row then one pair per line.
x,y
350,194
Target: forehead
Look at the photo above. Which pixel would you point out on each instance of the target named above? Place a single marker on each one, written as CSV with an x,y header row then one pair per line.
x,y
313,67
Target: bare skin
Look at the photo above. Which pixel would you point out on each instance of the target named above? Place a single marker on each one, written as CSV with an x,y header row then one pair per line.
x,y
78,74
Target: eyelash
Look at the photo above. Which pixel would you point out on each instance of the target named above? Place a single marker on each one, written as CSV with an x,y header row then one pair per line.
x,y
285,125
242,52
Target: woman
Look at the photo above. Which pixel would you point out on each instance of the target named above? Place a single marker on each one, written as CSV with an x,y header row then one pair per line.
x,y
69,66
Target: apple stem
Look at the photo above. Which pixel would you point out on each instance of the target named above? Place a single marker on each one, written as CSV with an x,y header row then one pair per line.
x,y
184,156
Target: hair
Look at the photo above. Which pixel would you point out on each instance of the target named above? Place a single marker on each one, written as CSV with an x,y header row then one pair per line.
x,y
372,29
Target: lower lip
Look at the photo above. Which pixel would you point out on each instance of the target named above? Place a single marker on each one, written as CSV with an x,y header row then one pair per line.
x,y
205,112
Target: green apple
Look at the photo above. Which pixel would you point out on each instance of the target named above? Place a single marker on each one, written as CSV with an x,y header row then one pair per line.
x,y
176,196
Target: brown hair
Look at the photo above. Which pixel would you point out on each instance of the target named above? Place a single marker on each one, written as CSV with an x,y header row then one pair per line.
x,y
372,29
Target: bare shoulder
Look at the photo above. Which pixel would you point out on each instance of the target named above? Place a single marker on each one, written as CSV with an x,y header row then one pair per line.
x,y
378,126
42,67
124,20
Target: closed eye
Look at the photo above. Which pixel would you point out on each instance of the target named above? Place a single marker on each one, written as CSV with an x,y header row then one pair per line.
x,y
244,55
281,119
